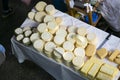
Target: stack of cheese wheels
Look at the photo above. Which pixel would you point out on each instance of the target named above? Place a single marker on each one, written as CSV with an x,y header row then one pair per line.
x,y
46,36
50,9
78,62
27,33
57,54
39,16
48,18
68,57
58,20
40,6
68,46
61,32
39,45
70,37
26,28
81,41
59,40
42,27
31,15
72,29
18,31
92,38
79,51
52,27
34,37
82,31
19,37
26,41
48,49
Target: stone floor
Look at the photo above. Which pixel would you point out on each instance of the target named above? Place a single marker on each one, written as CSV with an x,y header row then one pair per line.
x,y
11,69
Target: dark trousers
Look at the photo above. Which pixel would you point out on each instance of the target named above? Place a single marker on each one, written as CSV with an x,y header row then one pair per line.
x,y
5,5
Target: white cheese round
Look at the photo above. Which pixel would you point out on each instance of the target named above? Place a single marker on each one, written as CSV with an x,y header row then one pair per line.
x,y
68,56
82,31
31,15
79,52
49,47
68,46
18,31
58,20
42,27
70,37
61,32
72,29
50,9
27,33
19,37
40,6
26,28
39,16
46,36
34,36
48,18
38,45
26,41
59,40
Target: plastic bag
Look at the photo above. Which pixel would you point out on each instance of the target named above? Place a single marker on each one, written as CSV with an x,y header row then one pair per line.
x,y
110,10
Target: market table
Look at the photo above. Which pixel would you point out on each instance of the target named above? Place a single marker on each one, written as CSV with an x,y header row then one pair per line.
x,y
57,70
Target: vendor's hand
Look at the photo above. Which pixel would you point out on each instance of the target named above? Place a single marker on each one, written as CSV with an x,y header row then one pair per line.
x,y
27,2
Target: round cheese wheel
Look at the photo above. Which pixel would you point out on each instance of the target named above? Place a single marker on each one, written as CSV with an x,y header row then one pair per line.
x,y
78,62
40,6
50,9
92,38
18,31
49,46
46,36
39,16
68,46
79,52
72,29
34,37
19,37
26,41
26,28
82,31
31,15
52,27
70,37
68,56
42,27
48,18
58,20
61,32
38,45
27,33
59,40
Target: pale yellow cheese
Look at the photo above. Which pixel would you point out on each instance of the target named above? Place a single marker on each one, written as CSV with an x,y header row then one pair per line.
x,y
70,37
39,16
59,40
82,31
40,6
31,15
61,32
102,53
50,9
68,46
48,18
79,52
46,36
42,27
34,37
90,50
72,29
58,20
114,55
68,56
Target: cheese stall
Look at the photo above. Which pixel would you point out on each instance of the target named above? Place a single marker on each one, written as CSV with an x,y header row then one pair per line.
x,y
65,47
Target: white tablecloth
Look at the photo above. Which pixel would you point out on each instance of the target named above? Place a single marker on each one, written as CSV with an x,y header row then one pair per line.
x,y
59,71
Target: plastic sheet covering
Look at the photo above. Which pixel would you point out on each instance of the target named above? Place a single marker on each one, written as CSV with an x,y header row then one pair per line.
x,y
110,10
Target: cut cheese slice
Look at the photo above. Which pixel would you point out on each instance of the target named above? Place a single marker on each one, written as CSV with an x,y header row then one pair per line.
x,y
46,36
31,15
34,37
42,27
39,16
102,53
114,55
70,37
59,40
52,27
82,31
40,6
18,31
79,52
50,9
92,38
58,20
68,46
72,29
48,18
26,41
38,45
19,37
90,50
27,33
78,62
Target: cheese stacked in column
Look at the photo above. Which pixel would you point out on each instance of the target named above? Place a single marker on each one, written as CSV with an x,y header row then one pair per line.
x,y
68,56
34,37
18,31
48,18
19,37
46,36
26,41
68,46
31,15
79,51
38,45
49,47
72,29
82,31
39,16
50,9
40,6
58,20
42,27
70,37
58,52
